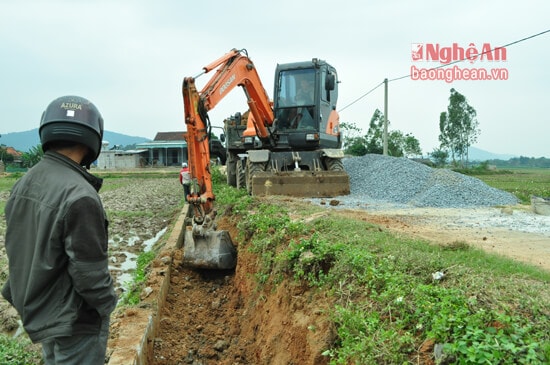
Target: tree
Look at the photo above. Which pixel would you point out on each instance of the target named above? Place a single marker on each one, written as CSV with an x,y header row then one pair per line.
x,y
458,127
33,156
439,157
411,146
353,143
375,135
4,155
399,145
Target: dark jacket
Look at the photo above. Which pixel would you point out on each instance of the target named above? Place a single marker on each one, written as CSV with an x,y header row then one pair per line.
x,y
56,241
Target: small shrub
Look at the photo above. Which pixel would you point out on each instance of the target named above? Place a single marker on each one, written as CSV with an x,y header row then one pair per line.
x,y
18,351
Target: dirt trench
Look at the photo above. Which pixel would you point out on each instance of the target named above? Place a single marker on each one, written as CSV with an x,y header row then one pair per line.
x,y
219,317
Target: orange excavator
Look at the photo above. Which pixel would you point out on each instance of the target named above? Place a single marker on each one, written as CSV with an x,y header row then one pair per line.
x,y
289,146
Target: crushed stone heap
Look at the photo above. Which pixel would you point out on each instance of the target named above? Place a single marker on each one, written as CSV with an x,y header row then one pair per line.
x,y
403,181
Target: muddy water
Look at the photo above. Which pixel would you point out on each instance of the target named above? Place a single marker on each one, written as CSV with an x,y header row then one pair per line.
x,y
124,263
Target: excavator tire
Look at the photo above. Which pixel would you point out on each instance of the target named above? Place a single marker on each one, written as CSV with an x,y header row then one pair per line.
x,y
334,164
306,184
212,250
253,169
231,167
240,174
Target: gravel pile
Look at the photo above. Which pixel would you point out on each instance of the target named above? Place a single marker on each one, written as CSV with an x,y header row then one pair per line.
x,y
401,181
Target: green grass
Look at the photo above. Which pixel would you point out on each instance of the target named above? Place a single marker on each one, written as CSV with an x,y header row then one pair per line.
x,y
18,351
6,183
133,289
523,183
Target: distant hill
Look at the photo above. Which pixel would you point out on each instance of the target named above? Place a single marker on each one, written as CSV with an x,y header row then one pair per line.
x,y
476,154
24,141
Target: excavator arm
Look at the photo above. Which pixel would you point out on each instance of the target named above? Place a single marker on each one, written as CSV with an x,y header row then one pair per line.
x,y
205,247
232,70
198,151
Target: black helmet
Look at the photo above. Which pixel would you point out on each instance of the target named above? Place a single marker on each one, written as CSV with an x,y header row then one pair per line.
x,y
73,119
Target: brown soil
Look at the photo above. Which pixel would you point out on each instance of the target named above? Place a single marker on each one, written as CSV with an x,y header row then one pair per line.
x,y
442,226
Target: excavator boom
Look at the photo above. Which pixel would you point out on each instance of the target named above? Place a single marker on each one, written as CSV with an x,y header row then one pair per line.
x,y
204,246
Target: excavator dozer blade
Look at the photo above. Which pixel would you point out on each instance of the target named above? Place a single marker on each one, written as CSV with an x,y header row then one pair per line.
x,y
213,250
306,184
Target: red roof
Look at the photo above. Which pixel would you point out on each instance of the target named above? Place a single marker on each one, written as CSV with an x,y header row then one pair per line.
x,y
12,151
169,136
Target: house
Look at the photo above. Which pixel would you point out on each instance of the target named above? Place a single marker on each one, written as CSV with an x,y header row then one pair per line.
x,y
9,155
170,149
115,158
167,149
15,155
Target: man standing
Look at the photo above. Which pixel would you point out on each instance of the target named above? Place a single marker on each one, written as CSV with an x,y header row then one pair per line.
x,y
56,240
185,179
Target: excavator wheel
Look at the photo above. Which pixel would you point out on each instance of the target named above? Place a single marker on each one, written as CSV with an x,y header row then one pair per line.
x,y
231,167
253,169
334,164
241,174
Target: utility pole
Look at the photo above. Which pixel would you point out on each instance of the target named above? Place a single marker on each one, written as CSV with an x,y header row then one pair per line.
x,y
385,151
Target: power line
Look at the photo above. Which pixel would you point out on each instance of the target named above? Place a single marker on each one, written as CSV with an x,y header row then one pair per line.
x,y
445,65
362,96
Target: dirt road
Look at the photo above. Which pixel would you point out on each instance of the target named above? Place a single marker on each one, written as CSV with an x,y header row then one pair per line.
x,y
513,232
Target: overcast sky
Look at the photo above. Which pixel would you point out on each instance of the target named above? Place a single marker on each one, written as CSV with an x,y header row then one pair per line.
x,y
129,57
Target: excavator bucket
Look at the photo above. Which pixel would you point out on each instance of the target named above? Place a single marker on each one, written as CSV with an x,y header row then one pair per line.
x,y
211,250
310,184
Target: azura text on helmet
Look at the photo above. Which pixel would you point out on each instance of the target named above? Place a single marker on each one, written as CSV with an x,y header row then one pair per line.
x,y
73,106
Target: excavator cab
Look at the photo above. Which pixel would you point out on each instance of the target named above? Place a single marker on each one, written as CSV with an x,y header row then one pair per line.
x,y
301,154
304,102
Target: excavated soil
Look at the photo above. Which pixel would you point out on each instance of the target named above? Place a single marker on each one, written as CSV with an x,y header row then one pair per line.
x,y
221,318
